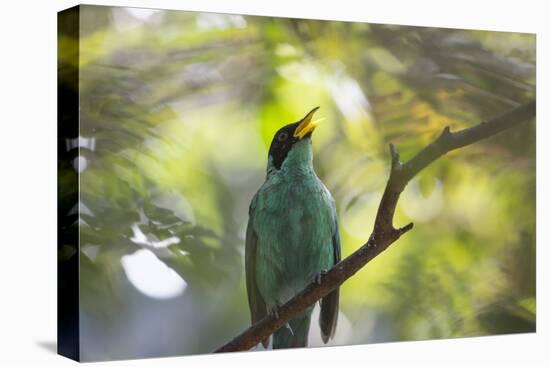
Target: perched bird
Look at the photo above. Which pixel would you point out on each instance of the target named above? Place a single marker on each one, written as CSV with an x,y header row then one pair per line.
x,y
292,236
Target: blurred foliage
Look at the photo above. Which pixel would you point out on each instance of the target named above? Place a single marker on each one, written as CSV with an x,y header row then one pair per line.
x,y
177,110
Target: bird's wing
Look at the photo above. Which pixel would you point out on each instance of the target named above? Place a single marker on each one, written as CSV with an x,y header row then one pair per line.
x,y
329,304
255,301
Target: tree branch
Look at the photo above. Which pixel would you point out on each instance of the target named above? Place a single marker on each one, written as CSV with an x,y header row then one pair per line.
x,y
384,233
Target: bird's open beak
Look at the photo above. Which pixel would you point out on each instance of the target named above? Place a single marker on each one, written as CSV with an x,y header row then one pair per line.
x,y
306,125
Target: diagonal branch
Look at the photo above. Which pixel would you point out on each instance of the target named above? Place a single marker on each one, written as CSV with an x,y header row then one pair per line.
x,y
384,233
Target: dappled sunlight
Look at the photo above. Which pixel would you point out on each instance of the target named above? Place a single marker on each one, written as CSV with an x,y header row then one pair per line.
x,y
358,208
349,97
420,207
125,19
207,21
151,276
177,113
141,239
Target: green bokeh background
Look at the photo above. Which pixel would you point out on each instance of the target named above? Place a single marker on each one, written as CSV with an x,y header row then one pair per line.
x,y
177,113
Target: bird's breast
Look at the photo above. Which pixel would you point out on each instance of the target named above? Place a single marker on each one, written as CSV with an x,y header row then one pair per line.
x,y
294,221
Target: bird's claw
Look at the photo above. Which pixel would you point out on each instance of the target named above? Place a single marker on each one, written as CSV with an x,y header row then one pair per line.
x,y
274,313
289,328
318,276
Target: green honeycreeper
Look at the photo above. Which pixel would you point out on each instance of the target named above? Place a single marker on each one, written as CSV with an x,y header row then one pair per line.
x,y
292,236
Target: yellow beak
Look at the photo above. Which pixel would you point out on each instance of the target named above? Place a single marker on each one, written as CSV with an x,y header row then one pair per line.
x,y
306,125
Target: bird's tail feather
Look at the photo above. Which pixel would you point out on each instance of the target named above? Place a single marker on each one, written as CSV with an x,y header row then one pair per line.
x,y
328,318
293,335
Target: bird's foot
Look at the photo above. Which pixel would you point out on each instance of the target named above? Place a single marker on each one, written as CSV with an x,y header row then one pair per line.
x,y
289,328
318,276
273,312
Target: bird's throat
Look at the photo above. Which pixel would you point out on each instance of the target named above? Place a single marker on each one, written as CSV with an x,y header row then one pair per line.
x,y
299,160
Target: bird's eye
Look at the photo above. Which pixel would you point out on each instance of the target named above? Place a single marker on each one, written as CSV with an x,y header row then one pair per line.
x,y
282,136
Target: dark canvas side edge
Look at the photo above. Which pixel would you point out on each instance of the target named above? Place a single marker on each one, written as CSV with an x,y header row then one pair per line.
x,y
68,331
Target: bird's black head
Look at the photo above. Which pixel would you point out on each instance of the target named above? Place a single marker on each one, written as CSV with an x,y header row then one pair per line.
x,y
289,135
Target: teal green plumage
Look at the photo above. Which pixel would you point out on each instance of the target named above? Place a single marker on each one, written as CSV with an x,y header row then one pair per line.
x,y
292,236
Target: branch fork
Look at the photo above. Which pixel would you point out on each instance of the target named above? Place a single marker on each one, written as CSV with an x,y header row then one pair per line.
x,y
384,233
